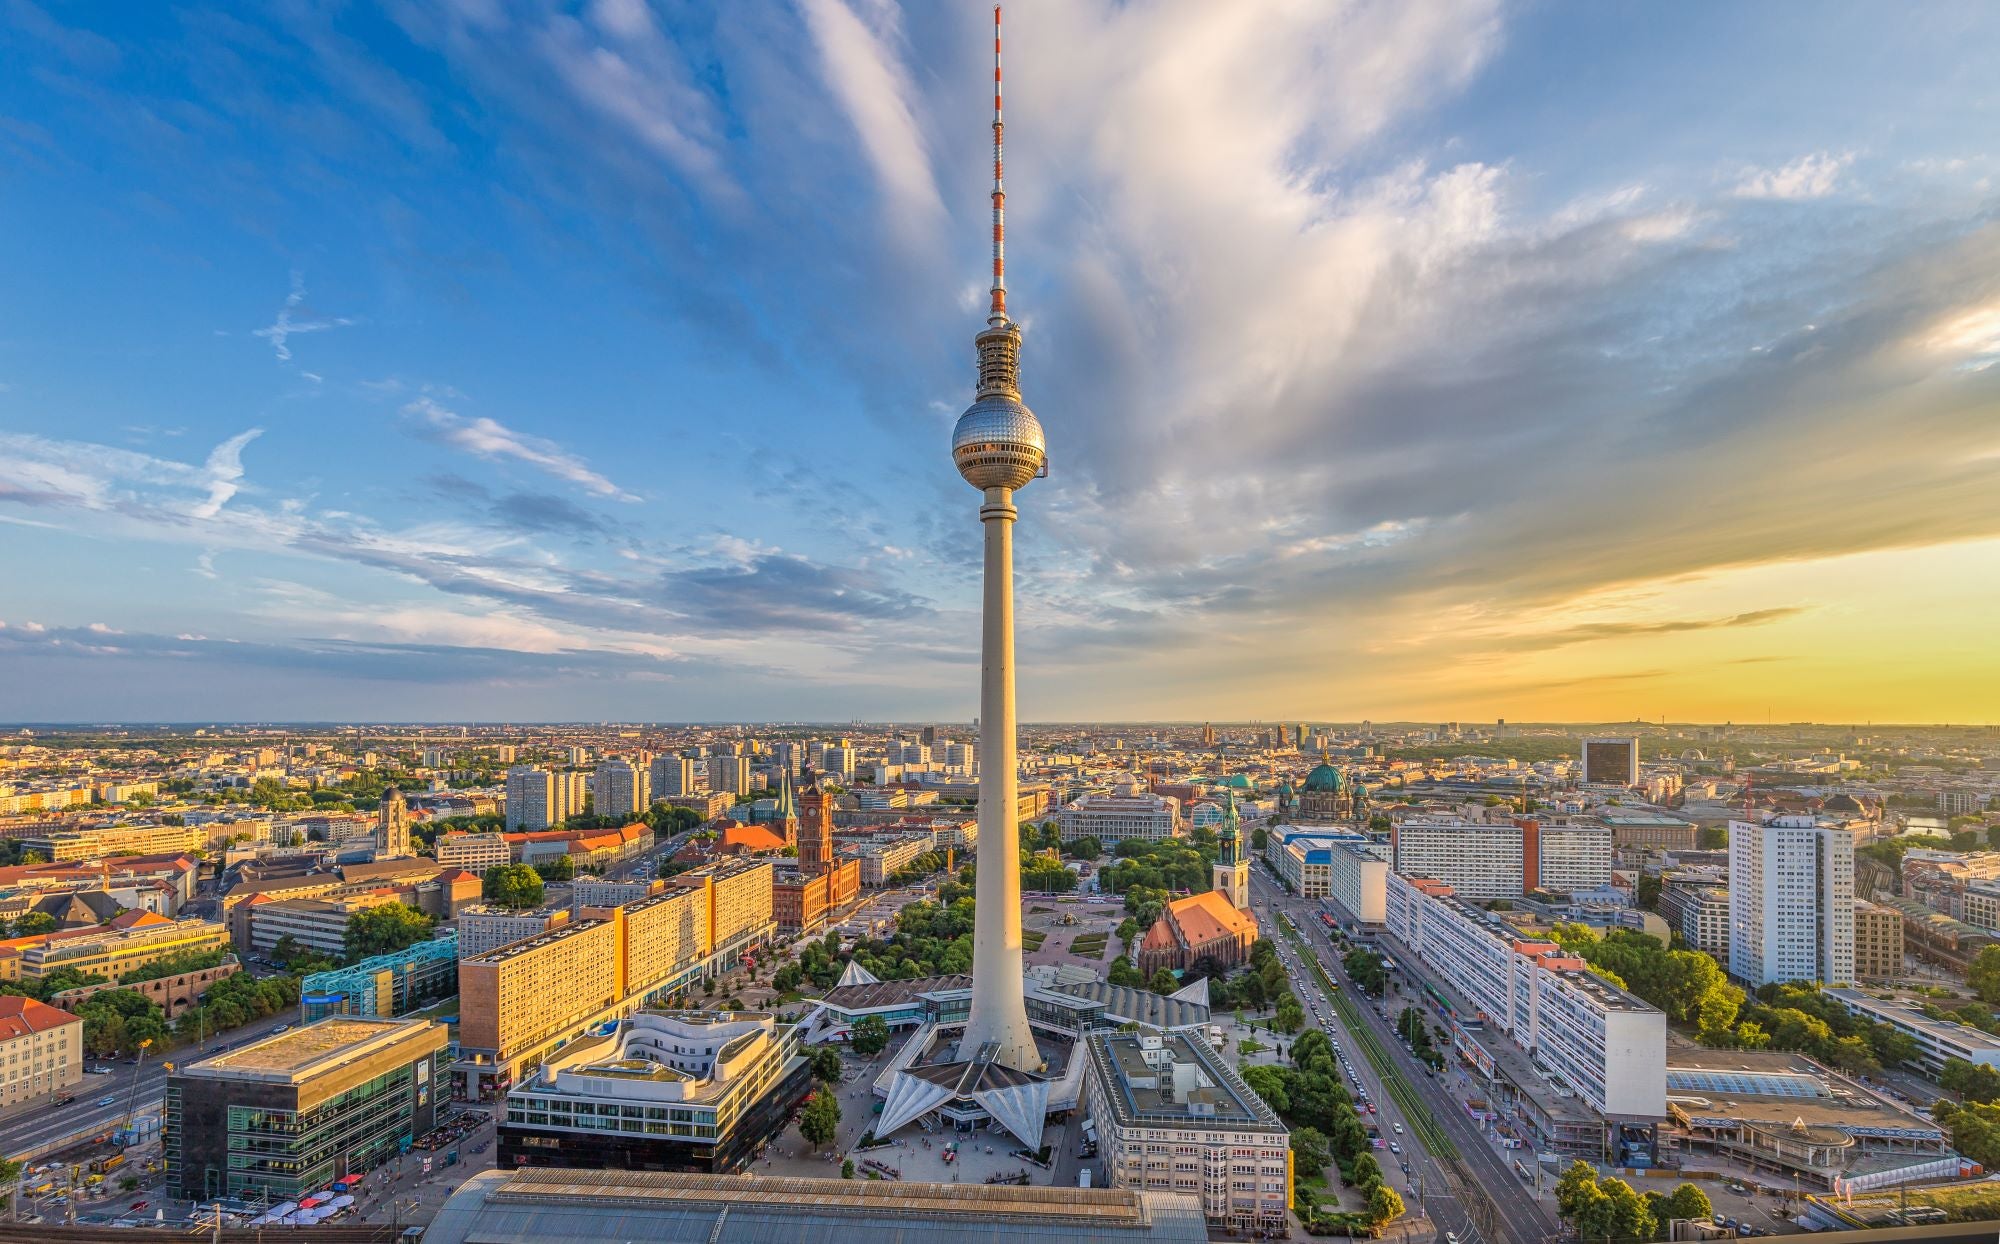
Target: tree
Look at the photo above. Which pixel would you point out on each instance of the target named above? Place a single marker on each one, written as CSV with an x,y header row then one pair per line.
x,y
10,1180
35,922
385,929
1686,1201
557,869
1269,1084
1647,891
1123,973
1260,839
1384,1204
871,1036
826,1064
514,886
1309,1149
1983,974
1975,1082
1290,1017
1163,981
819,1123
847,1168
1129,931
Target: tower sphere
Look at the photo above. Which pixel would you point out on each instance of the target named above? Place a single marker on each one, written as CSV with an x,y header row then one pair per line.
x,y
998,444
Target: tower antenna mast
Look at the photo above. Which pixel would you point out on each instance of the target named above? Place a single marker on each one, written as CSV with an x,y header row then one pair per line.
x,y
997,313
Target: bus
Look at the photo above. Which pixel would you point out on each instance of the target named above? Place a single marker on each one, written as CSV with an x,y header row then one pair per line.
x,y
1522,1169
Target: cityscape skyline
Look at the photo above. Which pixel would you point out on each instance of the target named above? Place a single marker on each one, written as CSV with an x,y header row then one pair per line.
x,y
1446,362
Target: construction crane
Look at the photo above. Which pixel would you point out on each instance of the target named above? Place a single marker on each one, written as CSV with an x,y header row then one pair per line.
x,y
132,1098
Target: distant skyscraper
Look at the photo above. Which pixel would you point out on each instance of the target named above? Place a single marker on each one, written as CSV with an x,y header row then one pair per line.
x,y
1612,762
621,788
571,793
998,448
392,827
1207,735
729,775
929,736
531,795
1791,902
672,775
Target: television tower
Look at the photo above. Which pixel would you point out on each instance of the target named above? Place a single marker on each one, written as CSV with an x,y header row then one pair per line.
x,y
998,448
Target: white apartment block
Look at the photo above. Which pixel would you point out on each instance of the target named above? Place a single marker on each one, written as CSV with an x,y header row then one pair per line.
x,y
1937,1039
1705,922
672,775
1358,880
1478,861
481,929
473,852
1791,901
1113,818
882,860
838,760
1605,1044
621,788
1573,857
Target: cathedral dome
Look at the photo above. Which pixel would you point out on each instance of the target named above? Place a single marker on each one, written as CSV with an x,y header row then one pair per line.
x,y
1325,779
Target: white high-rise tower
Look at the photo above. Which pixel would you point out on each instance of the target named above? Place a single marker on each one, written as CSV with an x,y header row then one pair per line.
x,y
998,448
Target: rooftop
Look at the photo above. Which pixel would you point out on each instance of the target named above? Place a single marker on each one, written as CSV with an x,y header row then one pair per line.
x,y
298,1055
1160,1093
556,1206
502,953
1965,1036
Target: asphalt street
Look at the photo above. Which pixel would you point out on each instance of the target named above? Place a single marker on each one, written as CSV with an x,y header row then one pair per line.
x,y
1518,1217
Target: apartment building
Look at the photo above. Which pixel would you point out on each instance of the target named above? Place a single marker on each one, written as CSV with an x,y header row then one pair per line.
x,y
1567,857
738,893
1477,860
473,852
621,788
1791,901
484,928
1878,942
667,939
884,858
531,798
1173,1116
1704,922
729,775
671,775
1606,1045
41,1050
588,891
1127,813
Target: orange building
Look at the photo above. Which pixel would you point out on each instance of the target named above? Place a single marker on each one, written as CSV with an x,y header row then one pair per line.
x,y
1200,926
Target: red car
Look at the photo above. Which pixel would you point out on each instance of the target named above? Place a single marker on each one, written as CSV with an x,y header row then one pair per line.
x,y
139,1205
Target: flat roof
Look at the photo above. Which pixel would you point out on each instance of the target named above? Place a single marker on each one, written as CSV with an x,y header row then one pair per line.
x,y
295,1056
1225,1103
571,929
1963,1035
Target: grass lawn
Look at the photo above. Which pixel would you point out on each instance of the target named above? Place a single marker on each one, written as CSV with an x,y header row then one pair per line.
x,y
1090,945
1972,1203
1033,939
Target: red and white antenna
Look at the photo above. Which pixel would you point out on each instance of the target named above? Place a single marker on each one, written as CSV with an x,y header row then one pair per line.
x,y
998,313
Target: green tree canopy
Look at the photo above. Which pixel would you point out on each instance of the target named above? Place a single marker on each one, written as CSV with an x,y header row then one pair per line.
x,y
386,928
514,886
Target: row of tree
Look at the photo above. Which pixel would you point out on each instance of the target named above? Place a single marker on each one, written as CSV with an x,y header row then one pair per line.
x,y
1325,1127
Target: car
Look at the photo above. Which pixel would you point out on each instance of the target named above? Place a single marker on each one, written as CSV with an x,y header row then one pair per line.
x,y
1399,1129
98,1069
1395,1146
139,1205
108,1100
1451,1237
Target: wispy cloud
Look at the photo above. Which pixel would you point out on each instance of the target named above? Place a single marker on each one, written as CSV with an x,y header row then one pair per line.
x,y
1812,176
295,318
224,470
495,442
867,77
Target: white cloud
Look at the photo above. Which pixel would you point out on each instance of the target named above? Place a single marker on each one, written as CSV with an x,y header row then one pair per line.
x,y
286,326
494,441
224,471
1810,176
864,75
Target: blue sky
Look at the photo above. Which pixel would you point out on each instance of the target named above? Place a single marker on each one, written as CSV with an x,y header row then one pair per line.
x,y
481,360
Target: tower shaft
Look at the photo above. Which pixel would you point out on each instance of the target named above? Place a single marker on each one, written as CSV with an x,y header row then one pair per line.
x,y
999,1005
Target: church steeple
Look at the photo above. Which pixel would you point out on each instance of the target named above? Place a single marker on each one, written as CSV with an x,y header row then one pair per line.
x,y
785,816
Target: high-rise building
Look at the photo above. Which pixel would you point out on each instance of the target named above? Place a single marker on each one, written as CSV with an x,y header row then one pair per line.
x,y
571,793
1791,901
1878,942
392,828
1207,735
531,798
1477,860
998,447
1611,762
929,736
622,788
838,760
729,775
672,775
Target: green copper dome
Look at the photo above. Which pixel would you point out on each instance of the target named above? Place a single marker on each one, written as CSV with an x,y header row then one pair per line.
x,y
1325,778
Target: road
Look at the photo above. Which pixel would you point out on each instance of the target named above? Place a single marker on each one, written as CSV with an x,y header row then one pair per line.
x,y
1435,1126
34,1126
